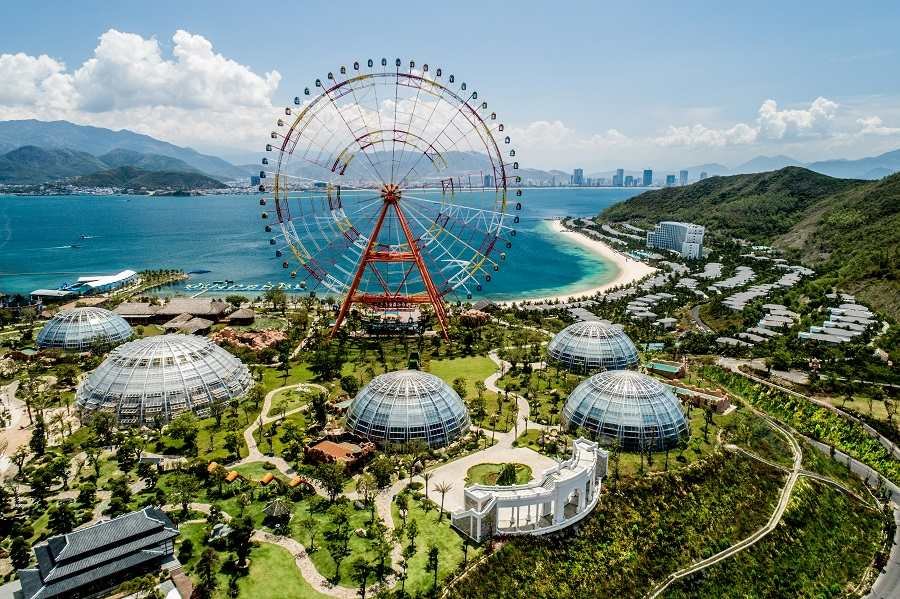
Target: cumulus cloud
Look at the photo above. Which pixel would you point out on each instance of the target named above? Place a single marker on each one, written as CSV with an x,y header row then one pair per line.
x,y
788,124
699,135
555,135
872,125
771,124
196,95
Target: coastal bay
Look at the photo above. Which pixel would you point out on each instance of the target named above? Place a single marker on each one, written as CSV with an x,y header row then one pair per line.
x,y
48,240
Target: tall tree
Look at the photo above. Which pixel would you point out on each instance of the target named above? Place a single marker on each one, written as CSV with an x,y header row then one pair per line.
x,y
432,566
207,569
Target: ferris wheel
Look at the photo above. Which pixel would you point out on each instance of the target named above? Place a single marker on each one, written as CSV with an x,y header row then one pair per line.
x,y
392,185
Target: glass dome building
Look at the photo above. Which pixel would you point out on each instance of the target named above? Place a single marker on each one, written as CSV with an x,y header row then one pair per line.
x,y
628,405
591,345
151,380
80,328
408,404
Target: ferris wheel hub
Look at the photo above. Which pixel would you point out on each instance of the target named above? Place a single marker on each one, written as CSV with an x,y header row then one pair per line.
x,y
390,193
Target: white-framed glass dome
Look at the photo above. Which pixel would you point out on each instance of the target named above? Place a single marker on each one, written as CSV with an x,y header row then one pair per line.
x,y
151,380
80,329
592,345
631,406
408,404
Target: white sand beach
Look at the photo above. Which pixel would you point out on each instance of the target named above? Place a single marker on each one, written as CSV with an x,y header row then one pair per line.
x,y
628,269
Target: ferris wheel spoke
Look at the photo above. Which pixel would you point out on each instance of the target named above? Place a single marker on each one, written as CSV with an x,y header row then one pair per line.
x,y
447,259
489,220
355,137
444,230
456,113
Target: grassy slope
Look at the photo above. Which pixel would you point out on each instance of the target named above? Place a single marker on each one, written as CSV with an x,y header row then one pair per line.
x,y
848,230
823,544
635,536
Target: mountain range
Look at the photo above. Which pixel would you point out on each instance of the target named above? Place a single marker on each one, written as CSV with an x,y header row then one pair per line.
x,y
130,177
871,168
847,229
74,150
98,141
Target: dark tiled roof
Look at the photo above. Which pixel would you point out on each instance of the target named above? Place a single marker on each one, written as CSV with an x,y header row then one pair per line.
x,y
68,585
88,540
70,561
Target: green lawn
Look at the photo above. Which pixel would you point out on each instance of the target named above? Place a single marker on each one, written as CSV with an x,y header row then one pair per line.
x,y
698,447
440,534
321,557
486,474
289,399
630,462
274,378
544,390
273,573
472,368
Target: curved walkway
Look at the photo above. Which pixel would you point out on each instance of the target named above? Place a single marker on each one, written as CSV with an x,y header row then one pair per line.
x,y
756,536
307,568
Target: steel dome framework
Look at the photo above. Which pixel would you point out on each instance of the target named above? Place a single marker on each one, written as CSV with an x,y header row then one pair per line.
x,y
633,407
397,407
81,329
591,346
151,380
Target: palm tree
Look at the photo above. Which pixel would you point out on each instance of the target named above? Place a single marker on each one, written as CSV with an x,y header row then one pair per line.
x,y
443,488
427,477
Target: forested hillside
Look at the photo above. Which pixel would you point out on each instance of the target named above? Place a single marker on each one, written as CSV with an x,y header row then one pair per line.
x,y
848,230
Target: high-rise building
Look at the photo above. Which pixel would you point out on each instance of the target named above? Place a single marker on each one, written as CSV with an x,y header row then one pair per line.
x,y
670,180
254,180
488,181
703,175
578,176
648,177
629,181
618,178
683,178
684,238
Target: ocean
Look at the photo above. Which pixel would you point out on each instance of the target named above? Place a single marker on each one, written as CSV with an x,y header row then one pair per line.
x,y
46,241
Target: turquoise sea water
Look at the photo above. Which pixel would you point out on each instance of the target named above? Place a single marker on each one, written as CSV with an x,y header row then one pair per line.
x,y
223,235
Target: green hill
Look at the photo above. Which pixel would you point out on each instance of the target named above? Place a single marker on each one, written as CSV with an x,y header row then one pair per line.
x,y
848,230
31,164
148,162
129,177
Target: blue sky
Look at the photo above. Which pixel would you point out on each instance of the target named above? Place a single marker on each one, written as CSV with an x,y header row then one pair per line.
x,y
640,83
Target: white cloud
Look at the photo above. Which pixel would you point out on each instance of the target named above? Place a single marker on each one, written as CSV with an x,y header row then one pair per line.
x,y
196,96
556,135
872,125
699,135
771,124
29,81
789,124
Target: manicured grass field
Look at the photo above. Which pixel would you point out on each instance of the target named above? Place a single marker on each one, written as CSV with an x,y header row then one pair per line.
x,y
440,534
273,573
472,368
486,474
289,399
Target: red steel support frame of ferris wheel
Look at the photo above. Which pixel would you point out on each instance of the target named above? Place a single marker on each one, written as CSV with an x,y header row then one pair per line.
x,y
370,256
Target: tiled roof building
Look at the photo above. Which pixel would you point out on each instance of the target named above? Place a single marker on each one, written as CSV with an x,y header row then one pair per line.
x,y
101,556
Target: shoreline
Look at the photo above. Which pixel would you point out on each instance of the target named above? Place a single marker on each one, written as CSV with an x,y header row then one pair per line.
x,y
628,270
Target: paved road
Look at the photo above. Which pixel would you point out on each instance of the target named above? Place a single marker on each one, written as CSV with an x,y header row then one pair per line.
x,y
887,586
734,364
695,316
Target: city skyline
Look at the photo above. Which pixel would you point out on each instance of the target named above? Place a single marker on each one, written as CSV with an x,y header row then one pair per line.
x,y
193,76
